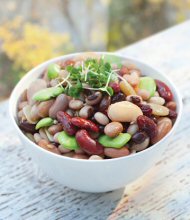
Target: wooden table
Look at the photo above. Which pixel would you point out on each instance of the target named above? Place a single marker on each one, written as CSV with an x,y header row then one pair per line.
x,y
161,194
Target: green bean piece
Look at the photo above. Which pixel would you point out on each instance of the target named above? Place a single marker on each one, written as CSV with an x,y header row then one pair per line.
x,y
67,141
53,71
116,142
148,84
44,122
48,93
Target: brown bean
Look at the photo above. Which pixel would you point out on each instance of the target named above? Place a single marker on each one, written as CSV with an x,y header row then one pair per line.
x,y
61,104
63,150
34,113
55,128
75,104
141,146
86,111
171,105
136,99
113,129
114,153
164,126
34,87
48,146
94,98
23,96
22,104
43,108
101,118
80,156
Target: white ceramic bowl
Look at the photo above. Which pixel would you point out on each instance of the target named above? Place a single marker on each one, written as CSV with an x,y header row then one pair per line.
x,y
92,175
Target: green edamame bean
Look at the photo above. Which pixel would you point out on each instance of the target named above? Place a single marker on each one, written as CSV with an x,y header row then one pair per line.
x,y
53,71
46,94
67,141
116,142
148,84
44,122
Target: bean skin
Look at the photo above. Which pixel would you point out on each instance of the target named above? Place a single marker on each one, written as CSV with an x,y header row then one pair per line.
x,y
87,144
83,123
115,153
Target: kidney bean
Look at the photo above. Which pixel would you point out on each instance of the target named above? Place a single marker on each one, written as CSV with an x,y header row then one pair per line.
x,y
27,127
86,111
115,86
146,124
55,128
70,112
118,97
159,110
101,118
84,123
61,104
134,99
94,98
164,126
104,104
94,135
75,104
139,137
171,105
87,144
172,114
34,87
113,129
132,129
144,94
164,91
95,157
65,120
80,156
115,153
157,100
48,146
146,109
141,146
43,108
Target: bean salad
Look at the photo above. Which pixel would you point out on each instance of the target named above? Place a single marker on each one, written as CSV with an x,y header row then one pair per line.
x,y
95,108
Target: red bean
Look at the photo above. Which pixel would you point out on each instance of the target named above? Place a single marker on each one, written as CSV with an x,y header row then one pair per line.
x,y
115,86
87,144
164,91
146,109
172,114
146,124
84,123
65,120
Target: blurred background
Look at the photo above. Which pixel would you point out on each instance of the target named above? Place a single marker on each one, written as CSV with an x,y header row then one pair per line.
x,y
32,31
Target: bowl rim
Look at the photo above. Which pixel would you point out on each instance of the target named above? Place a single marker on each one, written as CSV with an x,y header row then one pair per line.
x,y
117,54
